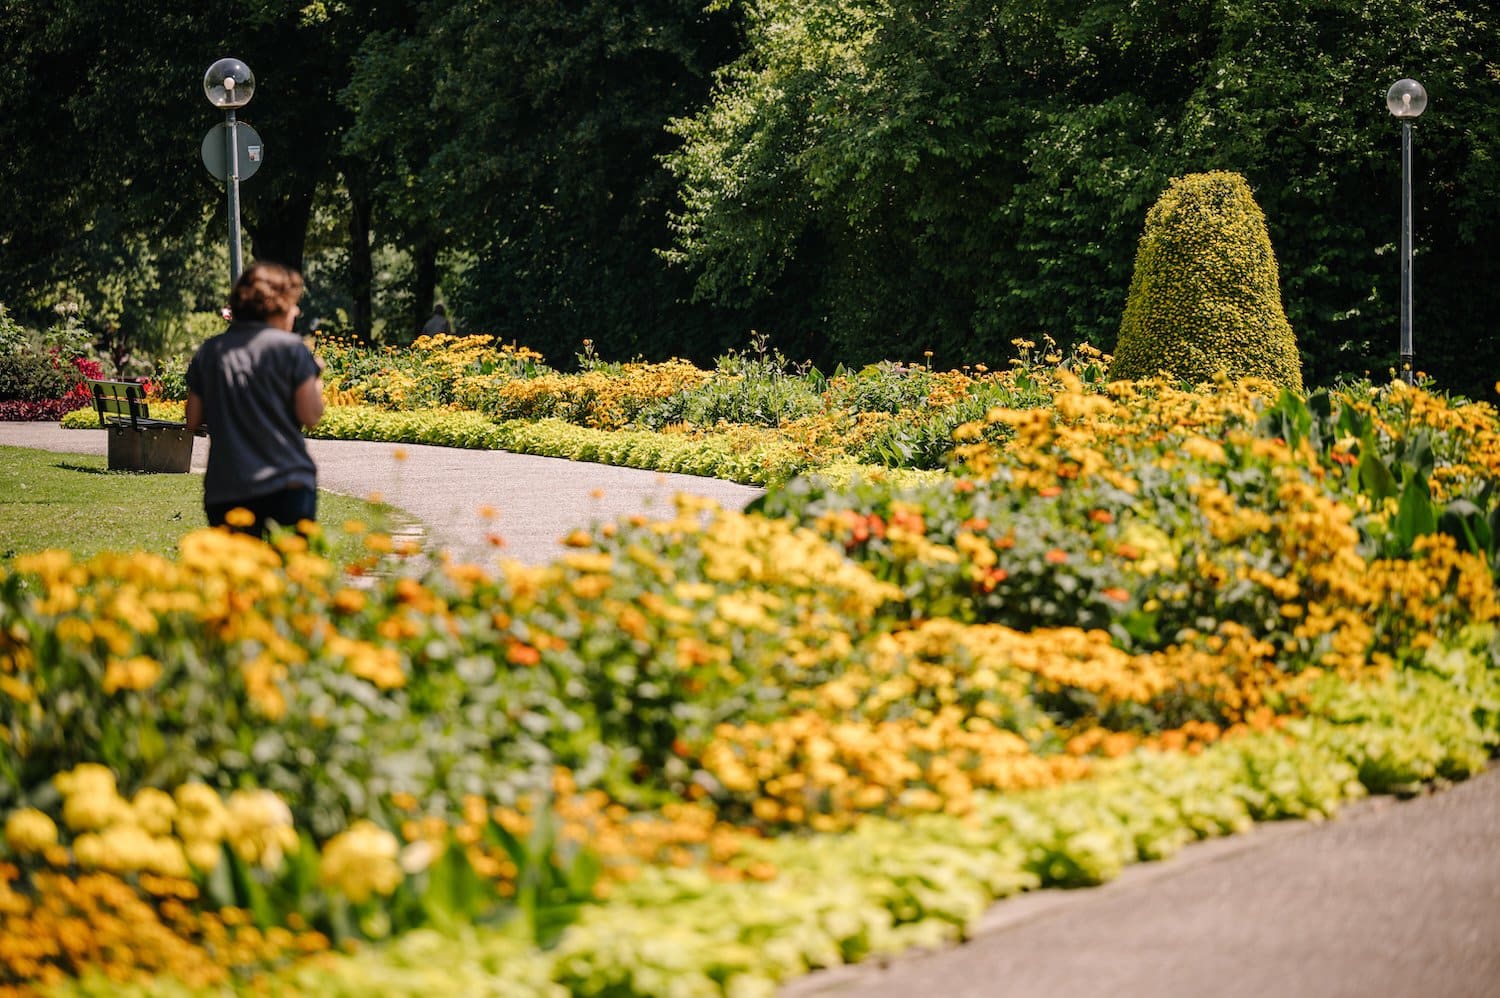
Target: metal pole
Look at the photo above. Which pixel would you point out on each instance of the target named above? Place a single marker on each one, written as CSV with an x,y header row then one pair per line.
x,y
1406,345
231,146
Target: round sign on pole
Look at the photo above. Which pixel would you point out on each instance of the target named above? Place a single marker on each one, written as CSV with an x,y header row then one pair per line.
x,y
252,152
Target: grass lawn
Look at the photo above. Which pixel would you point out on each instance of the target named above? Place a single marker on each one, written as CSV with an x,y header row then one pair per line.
x,y
73,501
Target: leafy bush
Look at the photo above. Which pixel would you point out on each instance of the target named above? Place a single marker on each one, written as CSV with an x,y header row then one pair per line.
x,y
1205,296
13,336
883,387
36,377
758,390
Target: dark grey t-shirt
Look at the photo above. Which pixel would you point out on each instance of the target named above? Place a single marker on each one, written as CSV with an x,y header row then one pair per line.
x,y
247,377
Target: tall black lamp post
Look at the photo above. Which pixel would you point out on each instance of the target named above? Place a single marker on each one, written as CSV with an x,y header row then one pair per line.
x,y
1406,100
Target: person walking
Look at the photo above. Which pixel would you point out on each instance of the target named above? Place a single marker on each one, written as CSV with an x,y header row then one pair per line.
x,y
254,386
438,323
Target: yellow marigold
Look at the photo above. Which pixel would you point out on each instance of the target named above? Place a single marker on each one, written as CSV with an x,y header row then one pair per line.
x,y
85,778
260,827
200,814
30,831
134,674
203,854
361,861
154,810
93,806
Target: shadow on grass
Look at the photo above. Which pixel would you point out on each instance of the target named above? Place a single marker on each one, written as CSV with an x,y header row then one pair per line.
x,y
85,469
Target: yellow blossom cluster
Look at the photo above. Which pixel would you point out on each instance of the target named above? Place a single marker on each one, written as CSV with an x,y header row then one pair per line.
x,y
55,926
361,862
170,835
809,770
601,399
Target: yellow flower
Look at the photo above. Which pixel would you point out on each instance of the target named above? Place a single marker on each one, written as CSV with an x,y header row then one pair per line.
x,y
137,673
260,827
200,814
95,808
30,831
154,810
204,854
361,861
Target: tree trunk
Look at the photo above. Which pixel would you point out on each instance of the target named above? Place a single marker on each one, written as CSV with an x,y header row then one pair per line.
x,y
278,225
361,264
423,284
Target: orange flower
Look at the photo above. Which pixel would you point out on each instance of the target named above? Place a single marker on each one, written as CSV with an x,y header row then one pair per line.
x,y
1101,516
1056,556
522,654
1115,593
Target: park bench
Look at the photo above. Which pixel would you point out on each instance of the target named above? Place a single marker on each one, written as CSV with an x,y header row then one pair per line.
x,y
137,442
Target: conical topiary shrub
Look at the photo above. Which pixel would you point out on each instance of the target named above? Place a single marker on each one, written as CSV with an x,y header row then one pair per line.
x,y
1206,296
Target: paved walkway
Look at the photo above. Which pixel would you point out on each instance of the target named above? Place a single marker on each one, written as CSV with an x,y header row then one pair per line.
x,y
536,500
1389,900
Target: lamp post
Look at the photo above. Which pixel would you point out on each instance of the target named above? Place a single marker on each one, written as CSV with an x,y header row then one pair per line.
x,y
1406,100
229,84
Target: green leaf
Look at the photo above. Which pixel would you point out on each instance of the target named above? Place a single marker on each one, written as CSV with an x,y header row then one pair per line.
x,y
1375,478
1416,516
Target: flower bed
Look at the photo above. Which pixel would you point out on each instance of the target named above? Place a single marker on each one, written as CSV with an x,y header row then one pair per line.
x,y
706,754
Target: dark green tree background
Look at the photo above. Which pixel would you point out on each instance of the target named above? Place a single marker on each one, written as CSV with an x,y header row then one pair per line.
x,y
892,176
861,179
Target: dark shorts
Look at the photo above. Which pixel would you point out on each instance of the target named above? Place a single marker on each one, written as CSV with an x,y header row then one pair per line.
x,y
285,507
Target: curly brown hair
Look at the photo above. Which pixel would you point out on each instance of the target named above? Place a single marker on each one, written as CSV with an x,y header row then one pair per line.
x,y
263,290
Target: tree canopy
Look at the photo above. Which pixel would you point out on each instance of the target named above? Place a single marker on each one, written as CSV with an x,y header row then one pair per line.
x,y
899,176
860,179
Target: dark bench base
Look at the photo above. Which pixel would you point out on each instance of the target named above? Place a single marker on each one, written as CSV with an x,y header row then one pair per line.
x,y
152,446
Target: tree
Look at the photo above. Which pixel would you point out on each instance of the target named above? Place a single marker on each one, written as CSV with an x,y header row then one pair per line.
x,y
889,176
103,116
518,142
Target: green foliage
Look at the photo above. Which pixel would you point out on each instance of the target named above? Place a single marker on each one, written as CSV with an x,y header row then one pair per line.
x,y
883,387
1206,296
1395,455
751,390
888,886
13,336
35,377
750,461
534,163
879,176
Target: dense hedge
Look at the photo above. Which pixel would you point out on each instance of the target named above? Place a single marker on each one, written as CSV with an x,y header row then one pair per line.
x,y
1205,298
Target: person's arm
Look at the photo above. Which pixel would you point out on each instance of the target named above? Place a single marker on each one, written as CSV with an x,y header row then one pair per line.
x,y
194,415
307,402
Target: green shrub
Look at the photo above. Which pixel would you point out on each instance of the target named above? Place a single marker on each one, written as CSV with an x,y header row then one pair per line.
x,y
35,377
1205,297
13,336
757,390
882,387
